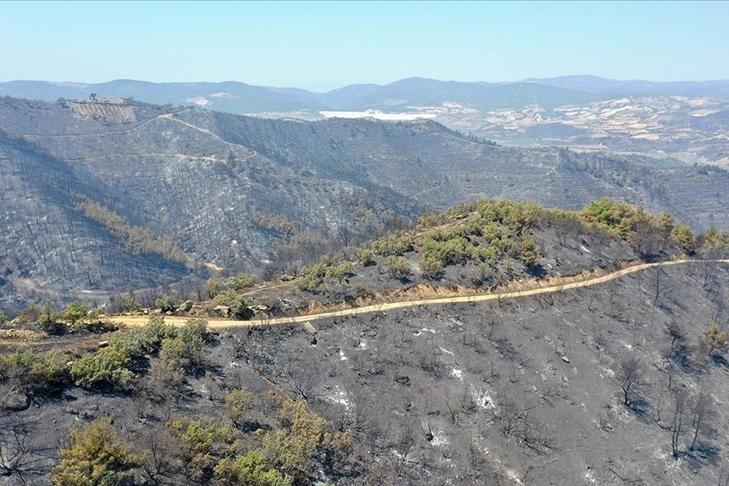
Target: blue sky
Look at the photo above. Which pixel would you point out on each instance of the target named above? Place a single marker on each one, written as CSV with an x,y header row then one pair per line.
x,y
325,45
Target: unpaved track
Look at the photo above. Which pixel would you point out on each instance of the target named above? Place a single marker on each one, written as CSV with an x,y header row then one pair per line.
x,y
166,116
221,323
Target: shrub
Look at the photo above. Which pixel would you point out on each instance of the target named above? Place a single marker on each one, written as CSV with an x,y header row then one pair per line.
x,y
241,282
251,470
293,446
714,340
311,278
35,372
238,306
214,286
393,245
95,456
365,257
431,268
169,302
202,441
236,405
29,315
684,238
185,351
481,274
150,336
447,251
398,267
107,368
75,312
129,303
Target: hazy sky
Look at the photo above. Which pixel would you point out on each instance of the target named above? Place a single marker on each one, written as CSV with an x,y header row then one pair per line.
x,y
324,45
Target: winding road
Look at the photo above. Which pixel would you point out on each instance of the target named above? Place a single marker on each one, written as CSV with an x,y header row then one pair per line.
x,y
456,299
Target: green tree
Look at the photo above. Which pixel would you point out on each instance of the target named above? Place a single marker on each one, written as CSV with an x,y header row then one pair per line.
x,y
75,312
202,441
293,446
169,302
714,340
398,266
249,470
684,238
185,351
129,303
529,252
107,368
214,286
236,404
95,456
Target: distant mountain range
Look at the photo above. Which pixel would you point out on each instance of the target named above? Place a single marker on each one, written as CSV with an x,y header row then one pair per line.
x,y
403,95
685,120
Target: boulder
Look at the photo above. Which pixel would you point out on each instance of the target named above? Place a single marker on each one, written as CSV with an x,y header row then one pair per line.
x,y
222,310
185,306
15,401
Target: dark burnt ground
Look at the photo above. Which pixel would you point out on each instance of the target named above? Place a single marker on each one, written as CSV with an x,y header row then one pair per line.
x,y
528,389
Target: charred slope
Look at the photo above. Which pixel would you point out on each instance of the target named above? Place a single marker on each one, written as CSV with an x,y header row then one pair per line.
x,y
240,192
47,241
584,385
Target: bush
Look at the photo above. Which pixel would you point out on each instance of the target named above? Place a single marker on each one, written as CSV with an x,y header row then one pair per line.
x,y
365,257
29,315
75,312
236,405
35,372
95,456
398,267
293,446
107,368
238,306
393,245
202,441
481,274
169,302
431,268
251,470
150,336
447,252
185,351
311,278
714,340
241,282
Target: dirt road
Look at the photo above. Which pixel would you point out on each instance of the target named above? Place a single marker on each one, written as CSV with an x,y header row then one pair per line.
x,y
224,323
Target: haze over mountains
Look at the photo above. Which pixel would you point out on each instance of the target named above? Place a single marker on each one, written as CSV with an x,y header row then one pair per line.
x,y
688,120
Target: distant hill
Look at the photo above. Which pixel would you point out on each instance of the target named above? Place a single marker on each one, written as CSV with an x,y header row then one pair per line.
x,y
597,85
238,97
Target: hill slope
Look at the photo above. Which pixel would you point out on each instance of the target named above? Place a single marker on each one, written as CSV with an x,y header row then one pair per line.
x,y
190,189
612,383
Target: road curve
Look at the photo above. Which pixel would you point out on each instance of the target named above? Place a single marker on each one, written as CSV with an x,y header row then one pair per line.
x,y
221,323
